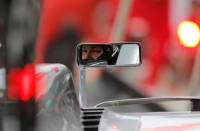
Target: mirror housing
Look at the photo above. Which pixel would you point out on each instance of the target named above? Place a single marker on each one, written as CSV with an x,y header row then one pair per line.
x,y
108,54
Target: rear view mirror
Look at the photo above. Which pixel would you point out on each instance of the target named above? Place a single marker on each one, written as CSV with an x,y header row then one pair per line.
x,y
109,54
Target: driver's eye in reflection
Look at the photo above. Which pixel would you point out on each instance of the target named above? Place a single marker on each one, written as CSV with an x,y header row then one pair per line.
x,y
91,52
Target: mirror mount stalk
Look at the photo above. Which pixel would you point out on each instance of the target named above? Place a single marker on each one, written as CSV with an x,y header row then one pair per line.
x,y
82,89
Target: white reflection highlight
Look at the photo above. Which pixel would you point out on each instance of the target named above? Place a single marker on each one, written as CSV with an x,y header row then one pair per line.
x,y
128,55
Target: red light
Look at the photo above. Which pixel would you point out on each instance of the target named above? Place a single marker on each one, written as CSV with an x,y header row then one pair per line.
x,y
188,33
22,83
27,86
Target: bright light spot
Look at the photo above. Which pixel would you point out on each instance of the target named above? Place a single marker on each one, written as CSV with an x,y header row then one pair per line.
x,y
189,33
114,127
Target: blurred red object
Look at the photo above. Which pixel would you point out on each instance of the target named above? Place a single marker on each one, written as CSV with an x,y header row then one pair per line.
x,y
84,16
59,14
22,84
155,14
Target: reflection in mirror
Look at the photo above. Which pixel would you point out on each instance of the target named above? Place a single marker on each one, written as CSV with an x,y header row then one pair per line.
x,y
92,52
115,54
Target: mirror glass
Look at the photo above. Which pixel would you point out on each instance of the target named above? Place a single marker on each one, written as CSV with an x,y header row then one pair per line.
x,y
109,54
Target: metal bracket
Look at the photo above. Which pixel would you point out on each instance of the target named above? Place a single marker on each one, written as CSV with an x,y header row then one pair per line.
x,y
82,88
